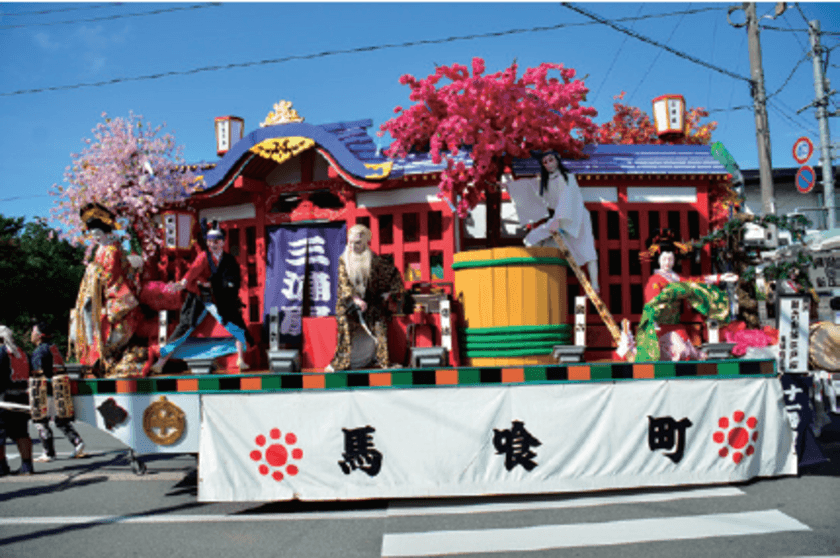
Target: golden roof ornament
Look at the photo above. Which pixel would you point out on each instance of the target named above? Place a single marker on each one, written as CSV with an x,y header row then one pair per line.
x,y
283,113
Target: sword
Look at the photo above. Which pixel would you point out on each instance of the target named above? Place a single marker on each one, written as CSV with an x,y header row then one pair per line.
x,y
15,407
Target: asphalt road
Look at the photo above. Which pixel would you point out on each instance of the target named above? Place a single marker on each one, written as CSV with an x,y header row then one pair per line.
x,y
98,507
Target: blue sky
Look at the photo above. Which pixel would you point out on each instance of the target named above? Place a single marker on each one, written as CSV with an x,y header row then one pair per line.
x,y
39,51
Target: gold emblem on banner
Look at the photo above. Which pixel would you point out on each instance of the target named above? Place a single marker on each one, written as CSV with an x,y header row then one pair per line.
x,y
164,422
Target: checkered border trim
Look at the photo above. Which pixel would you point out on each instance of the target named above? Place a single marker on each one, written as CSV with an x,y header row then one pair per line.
x,y
403,378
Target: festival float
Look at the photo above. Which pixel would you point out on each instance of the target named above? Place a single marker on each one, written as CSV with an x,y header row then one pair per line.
x,y
504,377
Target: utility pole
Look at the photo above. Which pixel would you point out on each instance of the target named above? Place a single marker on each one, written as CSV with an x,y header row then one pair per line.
x,y
821,102
762,129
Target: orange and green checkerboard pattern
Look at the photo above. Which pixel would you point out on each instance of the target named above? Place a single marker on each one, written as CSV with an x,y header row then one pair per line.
x,y
407,378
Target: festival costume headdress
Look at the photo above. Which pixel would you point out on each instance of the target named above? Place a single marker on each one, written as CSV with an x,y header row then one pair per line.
x,y
664,241
94,216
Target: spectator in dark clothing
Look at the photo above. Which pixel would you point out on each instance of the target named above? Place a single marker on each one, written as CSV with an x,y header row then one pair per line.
x,y
13,424
41,365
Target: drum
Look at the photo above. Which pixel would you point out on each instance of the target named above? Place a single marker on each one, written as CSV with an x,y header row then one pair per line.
x,y
63,397
38,398
824,351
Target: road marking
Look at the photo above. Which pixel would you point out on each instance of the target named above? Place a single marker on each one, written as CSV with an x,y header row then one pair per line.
x,y
240,518
397,509
544,537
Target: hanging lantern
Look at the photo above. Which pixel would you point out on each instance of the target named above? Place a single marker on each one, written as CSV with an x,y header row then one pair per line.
x,y
669,115
177,229
228,132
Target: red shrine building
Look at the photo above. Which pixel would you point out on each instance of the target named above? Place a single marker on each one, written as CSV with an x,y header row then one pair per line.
x,y
287,192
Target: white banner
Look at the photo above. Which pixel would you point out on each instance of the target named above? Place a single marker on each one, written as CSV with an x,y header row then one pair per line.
x,y
420,442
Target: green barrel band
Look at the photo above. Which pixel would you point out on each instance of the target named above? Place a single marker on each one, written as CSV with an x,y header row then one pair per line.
x,y
508,261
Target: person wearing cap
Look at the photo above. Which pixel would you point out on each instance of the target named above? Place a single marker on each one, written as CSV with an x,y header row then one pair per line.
x,y
107,308
557,192
214,276
13,424
366,284
41,365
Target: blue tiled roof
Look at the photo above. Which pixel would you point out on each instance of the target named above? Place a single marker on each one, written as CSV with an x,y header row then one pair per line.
x,y
636,159
350,144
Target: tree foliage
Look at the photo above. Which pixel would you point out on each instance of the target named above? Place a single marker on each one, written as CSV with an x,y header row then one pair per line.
x,y
40,275
493,117
632,126
130,167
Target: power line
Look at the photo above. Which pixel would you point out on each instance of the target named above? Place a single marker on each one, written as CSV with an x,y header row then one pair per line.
x,y
111,17
803,59
46,12
774,28
799,9
618,52
324,54
635,35
782,113
655,58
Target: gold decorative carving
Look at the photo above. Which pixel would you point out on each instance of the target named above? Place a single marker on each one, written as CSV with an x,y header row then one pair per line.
x,y
283,113
381,170
164,422
282,149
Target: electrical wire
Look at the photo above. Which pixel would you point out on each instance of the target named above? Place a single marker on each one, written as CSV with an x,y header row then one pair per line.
x,y
46,12
323,54
799,9
618,52
774,28
801,60
111,17
655,58
648,40
778,110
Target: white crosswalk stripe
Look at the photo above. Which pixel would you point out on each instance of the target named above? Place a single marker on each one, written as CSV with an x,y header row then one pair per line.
x,y
596,534
545,537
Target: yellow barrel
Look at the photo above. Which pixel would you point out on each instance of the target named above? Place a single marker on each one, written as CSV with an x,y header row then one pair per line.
x,y
514,303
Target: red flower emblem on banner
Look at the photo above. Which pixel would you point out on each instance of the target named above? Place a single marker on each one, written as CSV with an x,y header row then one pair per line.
x,y
276,454
736,435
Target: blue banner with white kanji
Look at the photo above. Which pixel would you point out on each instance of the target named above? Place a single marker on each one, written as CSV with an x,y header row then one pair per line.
x,y
301,276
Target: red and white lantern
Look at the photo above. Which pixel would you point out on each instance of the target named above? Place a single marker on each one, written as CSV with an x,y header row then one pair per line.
x,y
669,115
228,131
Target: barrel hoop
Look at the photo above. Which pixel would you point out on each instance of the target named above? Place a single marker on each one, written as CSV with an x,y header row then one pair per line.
x,y
501,346
508,261
513,330
518,337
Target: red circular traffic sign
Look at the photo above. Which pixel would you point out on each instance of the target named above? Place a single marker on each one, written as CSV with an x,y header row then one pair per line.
x,y
803,148
806,177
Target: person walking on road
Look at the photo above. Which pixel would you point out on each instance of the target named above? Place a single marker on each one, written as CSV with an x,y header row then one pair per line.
x,y
41,365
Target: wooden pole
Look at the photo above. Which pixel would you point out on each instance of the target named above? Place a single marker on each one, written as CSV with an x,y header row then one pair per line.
x,y
587,287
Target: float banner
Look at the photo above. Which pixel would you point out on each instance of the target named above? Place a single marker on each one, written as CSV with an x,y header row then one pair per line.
x,y
302,261
421,442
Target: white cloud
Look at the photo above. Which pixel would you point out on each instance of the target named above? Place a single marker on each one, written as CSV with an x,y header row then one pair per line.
x,y
43,40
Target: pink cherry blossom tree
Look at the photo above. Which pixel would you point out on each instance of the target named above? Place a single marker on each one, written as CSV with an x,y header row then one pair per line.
x,y
494,118
129,167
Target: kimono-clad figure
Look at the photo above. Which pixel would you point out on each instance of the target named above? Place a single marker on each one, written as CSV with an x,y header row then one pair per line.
x,y
553,203
366,284
674,342
212,283
107,312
